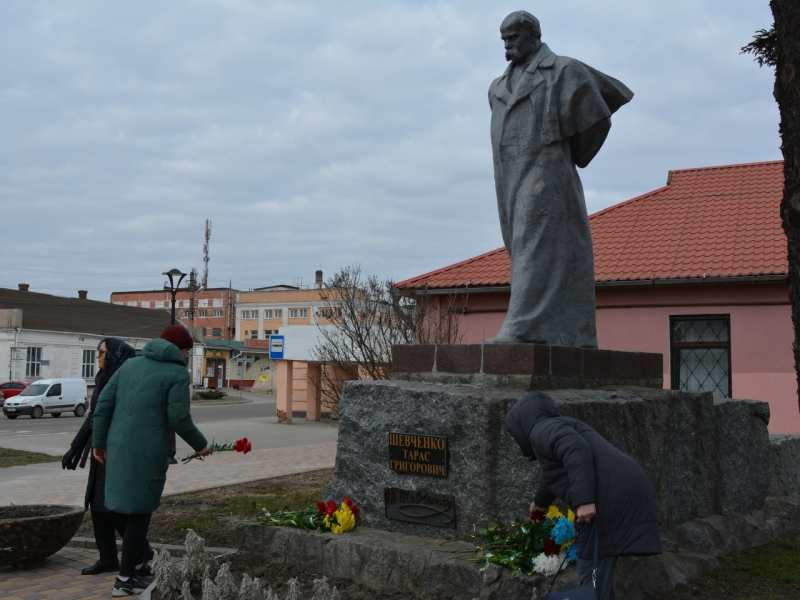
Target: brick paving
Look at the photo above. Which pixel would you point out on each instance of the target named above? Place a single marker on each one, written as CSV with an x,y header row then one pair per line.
x,y
50,484
60,579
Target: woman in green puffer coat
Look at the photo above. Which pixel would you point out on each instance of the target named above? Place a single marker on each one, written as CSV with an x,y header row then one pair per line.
x,y
143,399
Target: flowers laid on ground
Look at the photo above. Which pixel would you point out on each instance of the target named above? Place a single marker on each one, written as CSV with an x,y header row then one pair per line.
x,y
325,516
241,445
543,545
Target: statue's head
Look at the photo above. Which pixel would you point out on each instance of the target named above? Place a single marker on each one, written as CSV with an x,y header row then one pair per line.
x,y
522,36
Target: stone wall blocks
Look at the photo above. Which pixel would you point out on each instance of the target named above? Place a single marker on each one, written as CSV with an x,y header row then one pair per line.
x,y
638,575
697,536
785,456
448,576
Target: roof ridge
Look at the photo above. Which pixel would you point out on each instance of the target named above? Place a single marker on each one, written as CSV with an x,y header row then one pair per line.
x,y
721,167
449,267
626,202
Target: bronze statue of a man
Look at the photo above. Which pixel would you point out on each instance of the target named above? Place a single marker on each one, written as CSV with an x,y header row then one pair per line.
x,y
549,114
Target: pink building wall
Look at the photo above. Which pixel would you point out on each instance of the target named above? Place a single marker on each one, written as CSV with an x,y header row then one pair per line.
x,y
637,318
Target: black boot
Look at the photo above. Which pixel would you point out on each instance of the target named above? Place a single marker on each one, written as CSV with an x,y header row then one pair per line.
x,y
100,567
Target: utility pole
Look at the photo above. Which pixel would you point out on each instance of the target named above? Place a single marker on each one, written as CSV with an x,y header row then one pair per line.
x,y
205,254
192,290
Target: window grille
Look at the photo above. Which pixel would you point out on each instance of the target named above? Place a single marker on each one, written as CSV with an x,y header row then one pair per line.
x,y
33,362
701,354
87,369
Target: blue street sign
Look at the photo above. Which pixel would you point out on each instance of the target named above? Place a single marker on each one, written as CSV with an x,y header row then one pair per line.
x,y
276,347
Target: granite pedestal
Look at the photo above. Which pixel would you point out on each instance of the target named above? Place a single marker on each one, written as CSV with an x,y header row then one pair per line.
x,y
526,366
701,455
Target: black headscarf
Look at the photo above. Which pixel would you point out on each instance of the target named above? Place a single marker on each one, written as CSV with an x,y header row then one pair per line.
x,y
523,416
117,352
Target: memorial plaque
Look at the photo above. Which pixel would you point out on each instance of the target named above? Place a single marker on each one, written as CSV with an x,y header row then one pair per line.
x,y
420,507
418,454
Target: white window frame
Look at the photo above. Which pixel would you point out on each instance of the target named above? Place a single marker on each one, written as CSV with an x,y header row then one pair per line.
x,y
267,313
292,313
87,368
33,362
303,313
202,313
217,313
278,313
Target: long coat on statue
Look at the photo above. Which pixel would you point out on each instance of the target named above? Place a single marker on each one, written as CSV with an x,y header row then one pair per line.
x,y
545,227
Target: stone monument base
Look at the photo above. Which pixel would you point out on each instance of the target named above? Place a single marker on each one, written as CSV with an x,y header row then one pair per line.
x,y
702,455
392,561
526,366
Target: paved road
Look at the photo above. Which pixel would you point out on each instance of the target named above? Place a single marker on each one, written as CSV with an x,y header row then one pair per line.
x,y
220,423
277,450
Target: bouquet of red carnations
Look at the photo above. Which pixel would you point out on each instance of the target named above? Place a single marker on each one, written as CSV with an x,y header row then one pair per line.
x,y
241,445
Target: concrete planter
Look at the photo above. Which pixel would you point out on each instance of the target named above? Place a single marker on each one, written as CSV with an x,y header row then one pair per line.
x,y
32,532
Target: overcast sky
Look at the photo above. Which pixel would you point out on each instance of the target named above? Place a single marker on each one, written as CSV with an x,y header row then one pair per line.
x,y
321,134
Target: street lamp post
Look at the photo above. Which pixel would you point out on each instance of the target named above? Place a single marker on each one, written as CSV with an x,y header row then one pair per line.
x,y
173,288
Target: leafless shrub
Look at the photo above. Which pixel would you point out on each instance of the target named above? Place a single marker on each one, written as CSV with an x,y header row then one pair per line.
x,y
361,318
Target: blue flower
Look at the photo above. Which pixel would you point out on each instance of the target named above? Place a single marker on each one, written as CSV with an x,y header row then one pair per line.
x,y
563,531
572,553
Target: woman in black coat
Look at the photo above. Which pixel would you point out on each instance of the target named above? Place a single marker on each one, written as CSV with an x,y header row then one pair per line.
x,y
111,354
592,477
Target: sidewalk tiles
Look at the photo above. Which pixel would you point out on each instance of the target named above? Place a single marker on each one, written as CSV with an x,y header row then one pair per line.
x,y
56,486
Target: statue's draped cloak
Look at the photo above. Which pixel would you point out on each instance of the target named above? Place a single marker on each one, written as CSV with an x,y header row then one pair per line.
x,y
543,215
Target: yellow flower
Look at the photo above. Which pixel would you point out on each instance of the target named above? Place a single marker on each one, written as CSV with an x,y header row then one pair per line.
x,y
571,515
346,519
554,513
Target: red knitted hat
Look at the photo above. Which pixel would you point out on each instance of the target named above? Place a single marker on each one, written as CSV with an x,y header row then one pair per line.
x,y
178,336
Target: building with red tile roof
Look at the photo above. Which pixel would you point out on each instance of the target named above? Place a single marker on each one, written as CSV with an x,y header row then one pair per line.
x,y
695,270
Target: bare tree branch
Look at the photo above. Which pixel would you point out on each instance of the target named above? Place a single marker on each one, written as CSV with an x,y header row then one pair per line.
x,y
361,318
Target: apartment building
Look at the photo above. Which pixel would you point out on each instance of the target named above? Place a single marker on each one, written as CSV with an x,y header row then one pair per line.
x,y
214,310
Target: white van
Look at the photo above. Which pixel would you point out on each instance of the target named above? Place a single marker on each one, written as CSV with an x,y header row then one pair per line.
x,y
52,396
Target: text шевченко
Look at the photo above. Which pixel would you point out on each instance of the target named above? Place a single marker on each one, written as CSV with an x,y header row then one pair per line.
x,y
418,454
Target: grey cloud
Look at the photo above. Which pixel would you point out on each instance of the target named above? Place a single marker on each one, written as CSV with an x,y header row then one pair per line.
x,y
323,134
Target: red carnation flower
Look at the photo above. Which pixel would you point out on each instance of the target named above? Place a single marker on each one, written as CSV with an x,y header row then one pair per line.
x,y
551,548
321,507
354,509
538,516
239,446
348,501
248,447
331,508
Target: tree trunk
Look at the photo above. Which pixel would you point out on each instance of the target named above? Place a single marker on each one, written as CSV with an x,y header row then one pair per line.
x,y
787,94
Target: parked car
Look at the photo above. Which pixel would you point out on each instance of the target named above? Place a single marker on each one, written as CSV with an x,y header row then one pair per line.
x,y
52,396
11,388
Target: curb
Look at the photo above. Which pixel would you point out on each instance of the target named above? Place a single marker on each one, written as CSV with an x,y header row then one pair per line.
x,y
173,549
220,402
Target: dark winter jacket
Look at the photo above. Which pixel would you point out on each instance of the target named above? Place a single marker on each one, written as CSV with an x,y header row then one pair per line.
x,y
146,397
117,352
581,467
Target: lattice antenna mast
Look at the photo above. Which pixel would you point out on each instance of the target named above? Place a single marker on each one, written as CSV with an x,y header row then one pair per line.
x,y
205,254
